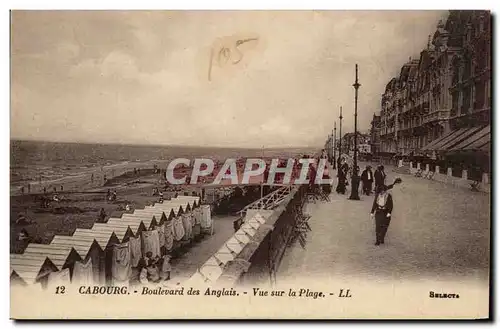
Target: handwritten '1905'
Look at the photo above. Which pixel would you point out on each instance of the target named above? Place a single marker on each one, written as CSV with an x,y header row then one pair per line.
x,y
224,54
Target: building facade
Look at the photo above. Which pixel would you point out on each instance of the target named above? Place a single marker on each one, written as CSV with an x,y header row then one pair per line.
x,y
448,87
471,68
375,134
363,143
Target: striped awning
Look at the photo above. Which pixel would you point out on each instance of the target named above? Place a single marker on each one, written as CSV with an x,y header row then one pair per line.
x,y
452,134
453,139
486,148
475,141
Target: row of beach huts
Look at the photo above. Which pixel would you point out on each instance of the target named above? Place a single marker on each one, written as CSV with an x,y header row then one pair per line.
x,y
111,253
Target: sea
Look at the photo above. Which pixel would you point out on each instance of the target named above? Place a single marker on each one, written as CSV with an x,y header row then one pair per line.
x,y
37,160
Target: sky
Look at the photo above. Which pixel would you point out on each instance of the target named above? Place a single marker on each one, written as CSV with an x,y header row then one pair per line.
x,y
276,79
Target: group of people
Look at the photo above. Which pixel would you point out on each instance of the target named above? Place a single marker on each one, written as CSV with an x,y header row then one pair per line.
x,y
159,194
154,269
368,178
111,196
44,189
382,204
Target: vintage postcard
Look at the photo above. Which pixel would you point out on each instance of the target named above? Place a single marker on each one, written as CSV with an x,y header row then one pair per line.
x,y
250,164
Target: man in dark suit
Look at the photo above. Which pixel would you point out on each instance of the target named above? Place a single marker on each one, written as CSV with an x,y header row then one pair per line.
x,y
379,176
367,179
382,210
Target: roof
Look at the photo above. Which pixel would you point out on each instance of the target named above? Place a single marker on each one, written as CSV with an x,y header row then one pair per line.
x,y
197,198
155,211
119,230
38,248
102,238
128,222
81,244
28,275
18,260
183,201
151,213
58,254
57,260
173,203
193,199
171,206
144,217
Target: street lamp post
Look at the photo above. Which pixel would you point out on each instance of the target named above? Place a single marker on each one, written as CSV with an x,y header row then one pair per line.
x,y
340,139
355,176
330,149
334,145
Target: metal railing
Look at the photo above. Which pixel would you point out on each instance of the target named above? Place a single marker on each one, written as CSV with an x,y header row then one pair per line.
x,y
269,201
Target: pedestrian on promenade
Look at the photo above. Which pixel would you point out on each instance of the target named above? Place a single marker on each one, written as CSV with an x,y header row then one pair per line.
x,y
367,179
379,176
381,210
342,176
29,188
102,216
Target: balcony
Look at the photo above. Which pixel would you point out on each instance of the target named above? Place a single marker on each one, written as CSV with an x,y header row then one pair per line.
x,y
465,109
454,111
436,116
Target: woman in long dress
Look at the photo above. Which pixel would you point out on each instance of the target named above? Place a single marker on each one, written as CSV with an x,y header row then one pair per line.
x,y
342,176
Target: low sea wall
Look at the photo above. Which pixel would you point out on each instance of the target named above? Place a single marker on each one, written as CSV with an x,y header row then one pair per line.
x,y
260,259
484,185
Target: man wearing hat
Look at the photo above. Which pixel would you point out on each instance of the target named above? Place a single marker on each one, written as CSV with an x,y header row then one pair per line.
x,y
367,179
379,177
381,210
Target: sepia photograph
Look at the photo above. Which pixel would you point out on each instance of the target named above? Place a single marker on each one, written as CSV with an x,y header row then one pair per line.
x,y
250,164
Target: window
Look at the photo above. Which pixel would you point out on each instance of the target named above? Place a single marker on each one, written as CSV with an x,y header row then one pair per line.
x,y
480,93
466,100
482,57
455,71
467,69
454,103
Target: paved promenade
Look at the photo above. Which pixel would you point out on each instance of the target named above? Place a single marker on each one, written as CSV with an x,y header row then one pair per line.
x,y
437,232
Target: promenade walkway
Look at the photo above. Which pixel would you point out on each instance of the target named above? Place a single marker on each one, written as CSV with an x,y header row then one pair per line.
x,y
437,231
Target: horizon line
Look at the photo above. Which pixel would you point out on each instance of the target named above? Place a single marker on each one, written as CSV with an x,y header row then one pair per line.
x,y
160,145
